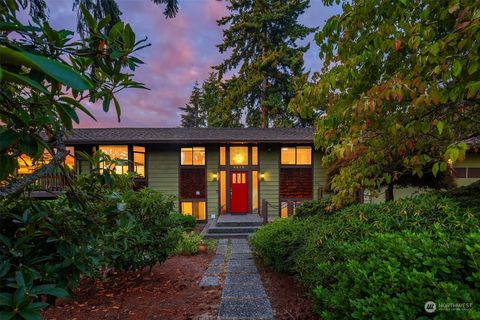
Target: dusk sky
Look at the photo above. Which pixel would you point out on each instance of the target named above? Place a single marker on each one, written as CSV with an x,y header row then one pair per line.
x,y
183,50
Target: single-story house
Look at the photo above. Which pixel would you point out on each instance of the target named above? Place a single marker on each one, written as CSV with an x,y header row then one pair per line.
x,y
214,171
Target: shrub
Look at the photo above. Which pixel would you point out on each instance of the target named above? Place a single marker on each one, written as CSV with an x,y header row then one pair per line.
x,y
380,261
312,208
186,222
467,196
189,243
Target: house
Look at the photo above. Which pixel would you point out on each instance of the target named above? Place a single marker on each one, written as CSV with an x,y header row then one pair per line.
x,y
213,171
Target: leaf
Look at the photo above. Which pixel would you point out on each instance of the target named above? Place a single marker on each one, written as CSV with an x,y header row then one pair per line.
x,y
29,146
117,108
435,169
92,25
78,105
8,137
19,279
440,126
4,268
472,68
5,299
435,49
70,111
30,314
22,80
6,315
106,103
64,117
7,166
457,68
129,37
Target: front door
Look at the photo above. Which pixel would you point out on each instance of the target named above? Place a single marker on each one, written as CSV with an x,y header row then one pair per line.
x,y
239,192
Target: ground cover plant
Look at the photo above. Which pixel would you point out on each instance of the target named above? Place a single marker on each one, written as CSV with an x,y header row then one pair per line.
x,y
382,260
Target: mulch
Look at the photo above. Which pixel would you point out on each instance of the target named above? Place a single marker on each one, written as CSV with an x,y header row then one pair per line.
x,y
288,298
170,291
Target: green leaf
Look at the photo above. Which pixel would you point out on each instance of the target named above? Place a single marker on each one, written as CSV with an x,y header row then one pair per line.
x,y
457,68
30,314
117,108
4,268
435,169
64,117
116,54
8,137
6,315
5,299
78,105
29,146
435,49
7,166
22,80
19,279
106,103
440,126
70,111
129,37
92,25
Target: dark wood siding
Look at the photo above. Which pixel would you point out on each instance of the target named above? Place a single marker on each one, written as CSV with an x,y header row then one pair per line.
x,y
460,172
296,183
192,180
474,172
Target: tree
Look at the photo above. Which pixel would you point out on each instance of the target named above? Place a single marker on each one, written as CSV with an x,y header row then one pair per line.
x,y
46,77
262,36
400,83
193,113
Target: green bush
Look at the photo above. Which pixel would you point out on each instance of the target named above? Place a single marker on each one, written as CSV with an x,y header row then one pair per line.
x,y
312,208
189,243
466,196
380,261
186,222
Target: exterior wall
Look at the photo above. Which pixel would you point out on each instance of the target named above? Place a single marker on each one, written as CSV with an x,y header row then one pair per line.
x,y
162,169
319,175
83,165
269,158
212,159
472,160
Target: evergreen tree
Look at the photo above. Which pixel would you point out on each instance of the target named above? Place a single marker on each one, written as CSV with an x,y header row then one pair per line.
x,y
193,114
262,36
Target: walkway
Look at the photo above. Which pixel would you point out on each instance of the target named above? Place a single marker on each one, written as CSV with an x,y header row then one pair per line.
x,y
243,295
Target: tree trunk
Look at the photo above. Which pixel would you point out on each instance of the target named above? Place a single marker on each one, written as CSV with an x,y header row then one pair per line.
x,y
262,103
389,192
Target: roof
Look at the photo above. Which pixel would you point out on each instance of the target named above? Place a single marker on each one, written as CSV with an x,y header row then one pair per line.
x,y
189,135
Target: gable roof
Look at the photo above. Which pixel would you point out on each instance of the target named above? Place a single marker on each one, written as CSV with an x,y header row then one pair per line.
x,y
188,135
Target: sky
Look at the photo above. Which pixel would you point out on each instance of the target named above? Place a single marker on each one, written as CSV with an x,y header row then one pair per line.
x,y
183,50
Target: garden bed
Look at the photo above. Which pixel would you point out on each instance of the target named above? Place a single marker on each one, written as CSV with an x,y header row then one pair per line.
x,y
171,291
288,298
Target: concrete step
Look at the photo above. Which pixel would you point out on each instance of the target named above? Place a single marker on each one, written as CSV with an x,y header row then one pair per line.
x,y
227,235
239,224
223,229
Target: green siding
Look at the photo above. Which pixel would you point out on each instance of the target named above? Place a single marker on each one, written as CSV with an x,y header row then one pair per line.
x,y
472,160
212,158
269,158
319,174
163,162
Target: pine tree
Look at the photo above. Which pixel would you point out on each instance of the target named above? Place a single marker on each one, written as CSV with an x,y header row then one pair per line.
x,y
262,36
193,113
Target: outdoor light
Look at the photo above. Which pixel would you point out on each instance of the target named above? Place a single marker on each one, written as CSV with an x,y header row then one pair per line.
x,y
215,177
262,176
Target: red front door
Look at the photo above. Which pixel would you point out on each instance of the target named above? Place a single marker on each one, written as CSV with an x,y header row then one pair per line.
x,y
239,192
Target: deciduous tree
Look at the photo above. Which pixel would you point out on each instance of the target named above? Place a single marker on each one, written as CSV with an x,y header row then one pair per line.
x,y
400,83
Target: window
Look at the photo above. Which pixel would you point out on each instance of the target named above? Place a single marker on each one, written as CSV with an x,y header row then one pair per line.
x,y
192,156
255,191
198,209
27,166
139,160
223,192
296,155
119,154
254,156
284,207
238,156
223,156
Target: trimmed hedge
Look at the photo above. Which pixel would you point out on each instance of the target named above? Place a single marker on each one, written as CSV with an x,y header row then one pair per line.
x,y
381,260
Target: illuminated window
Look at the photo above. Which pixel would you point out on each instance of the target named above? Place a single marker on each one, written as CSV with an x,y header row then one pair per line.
x,y
27,166
139,160
223,156
255,191
119,154
296,155
223,192
254,156
198,209
238,156
284,207
192,156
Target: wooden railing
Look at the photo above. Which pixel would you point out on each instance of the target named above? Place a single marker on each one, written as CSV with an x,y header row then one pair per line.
x,y
53,182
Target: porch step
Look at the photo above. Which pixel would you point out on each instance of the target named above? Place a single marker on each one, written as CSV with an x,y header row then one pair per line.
x,y
233,229
227,235
234,224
